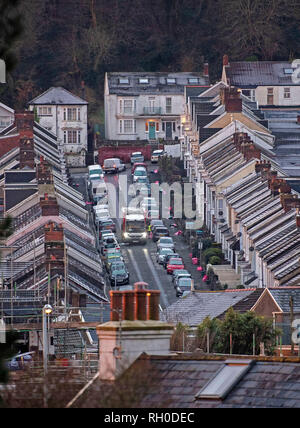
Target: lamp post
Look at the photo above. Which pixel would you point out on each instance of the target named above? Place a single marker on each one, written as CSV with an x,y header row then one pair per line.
x,y
47,310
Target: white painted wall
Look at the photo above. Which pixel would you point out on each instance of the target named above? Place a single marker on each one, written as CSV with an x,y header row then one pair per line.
x,y
113,114
278,91
56,124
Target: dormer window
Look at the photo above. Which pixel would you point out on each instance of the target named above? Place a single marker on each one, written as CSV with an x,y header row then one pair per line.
x,y
143,80
123,81
171,80
193,80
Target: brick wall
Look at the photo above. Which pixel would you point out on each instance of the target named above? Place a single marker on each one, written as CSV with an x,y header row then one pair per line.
x,y
123,152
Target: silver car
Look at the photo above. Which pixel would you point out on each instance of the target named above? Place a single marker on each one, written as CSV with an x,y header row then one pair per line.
x,y
162,253
165,242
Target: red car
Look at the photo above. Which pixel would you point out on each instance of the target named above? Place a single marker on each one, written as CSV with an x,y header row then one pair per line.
x,y
174,264
135,165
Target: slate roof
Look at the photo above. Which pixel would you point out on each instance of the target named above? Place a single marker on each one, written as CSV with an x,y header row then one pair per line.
x,y
195,307
57,96
178,379
258,73
157,82
247,303
282,297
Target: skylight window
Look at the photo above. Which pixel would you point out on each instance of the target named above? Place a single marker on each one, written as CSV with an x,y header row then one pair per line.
x,y
144,80
123,80
225,379
193,80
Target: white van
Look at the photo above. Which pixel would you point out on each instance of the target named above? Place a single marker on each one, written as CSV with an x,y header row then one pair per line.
x,y
113,165
99,192
95,170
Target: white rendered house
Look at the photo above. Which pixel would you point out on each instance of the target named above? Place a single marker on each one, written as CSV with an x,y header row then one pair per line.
x,y
147,106
64,115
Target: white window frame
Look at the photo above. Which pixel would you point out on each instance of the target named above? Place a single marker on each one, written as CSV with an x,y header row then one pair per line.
x,y
127,110
130,130
72,114
72,136
169,105
44,111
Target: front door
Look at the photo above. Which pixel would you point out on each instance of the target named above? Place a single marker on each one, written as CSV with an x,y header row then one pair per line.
x,y
168,130
152,126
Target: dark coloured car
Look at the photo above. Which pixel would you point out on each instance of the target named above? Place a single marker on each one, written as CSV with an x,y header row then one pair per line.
x,y
182,285
118,274
160,232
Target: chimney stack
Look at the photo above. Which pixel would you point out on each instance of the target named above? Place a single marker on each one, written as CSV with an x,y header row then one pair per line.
x,y
49,206
24,123
134,328
225,60
231,99
206,69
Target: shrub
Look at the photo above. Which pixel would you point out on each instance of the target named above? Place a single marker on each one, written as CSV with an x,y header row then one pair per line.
x,y
215,260
210,252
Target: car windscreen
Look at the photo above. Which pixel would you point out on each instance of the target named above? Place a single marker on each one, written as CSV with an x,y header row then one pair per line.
x,y
161,230
166,240
175,262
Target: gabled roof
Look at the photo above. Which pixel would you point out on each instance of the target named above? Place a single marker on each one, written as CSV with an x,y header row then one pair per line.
x,y
57,96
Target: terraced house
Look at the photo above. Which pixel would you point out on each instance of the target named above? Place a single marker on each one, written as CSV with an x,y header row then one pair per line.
x,y
51,255
245,192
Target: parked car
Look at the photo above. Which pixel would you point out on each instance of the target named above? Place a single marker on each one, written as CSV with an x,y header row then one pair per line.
x,y
181,292
165,242
174,264
118,274
182,284
109,244
113,165
160,232
138,165
106,225
136,157
156,155
139,172
112,258
170,256
182,274
162,253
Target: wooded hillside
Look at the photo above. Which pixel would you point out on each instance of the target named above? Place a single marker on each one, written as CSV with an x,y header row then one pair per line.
x,y
65,42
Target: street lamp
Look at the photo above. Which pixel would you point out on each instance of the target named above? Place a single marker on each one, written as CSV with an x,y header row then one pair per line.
x,y
47,310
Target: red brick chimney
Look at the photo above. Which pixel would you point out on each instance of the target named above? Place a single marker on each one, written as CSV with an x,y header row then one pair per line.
x,y
206,69
289,201
225,60
44,172
263,167
140,304
231,99
24,123
49,206
54,248
245,146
